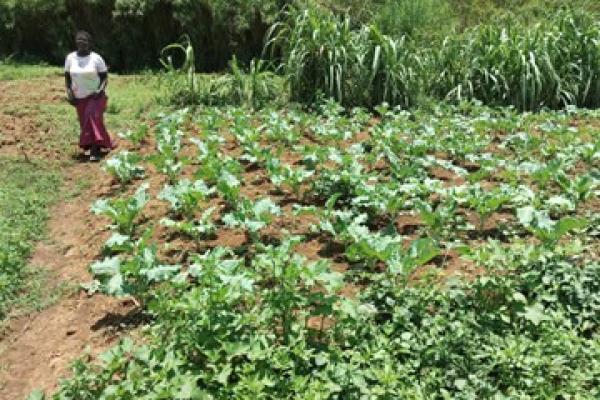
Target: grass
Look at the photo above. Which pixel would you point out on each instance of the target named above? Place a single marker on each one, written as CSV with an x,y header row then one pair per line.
x,y
27,191
553,64
131,99
12,70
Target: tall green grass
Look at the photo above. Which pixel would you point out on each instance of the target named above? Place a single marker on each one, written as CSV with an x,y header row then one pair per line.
x,y
322,55
553,64
418,19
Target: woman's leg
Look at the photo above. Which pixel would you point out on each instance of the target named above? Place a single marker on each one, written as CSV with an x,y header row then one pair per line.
x,y
101,134
85,139
93,130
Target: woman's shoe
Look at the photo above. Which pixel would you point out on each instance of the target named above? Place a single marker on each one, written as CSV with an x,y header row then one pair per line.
x,y
95,154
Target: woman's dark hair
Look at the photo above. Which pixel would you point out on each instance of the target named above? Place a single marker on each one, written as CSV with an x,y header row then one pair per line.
x,y
84,35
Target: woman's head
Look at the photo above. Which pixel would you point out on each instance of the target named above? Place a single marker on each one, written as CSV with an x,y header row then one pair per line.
x,y
83,41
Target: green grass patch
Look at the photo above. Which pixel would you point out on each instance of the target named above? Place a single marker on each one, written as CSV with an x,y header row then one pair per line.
x,y
12,70
131,98
26,191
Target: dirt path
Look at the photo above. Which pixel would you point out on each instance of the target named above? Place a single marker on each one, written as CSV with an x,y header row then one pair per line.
x,y
39,348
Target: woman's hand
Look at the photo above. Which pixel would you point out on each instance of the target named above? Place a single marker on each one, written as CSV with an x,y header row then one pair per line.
x,y
71,97
98,93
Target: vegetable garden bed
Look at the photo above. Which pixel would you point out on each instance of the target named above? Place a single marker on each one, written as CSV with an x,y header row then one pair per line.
x,y
284,254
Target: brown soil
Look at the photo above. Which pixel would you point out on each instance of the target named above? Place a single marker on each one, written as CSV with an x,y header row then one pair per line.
x,y
408,224
37,350
492,225
21,133
448,177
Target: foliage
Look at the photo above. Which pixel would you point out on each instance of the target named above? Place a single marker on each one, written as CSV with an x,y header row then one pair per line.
x,y
427,305
130,33
552,65
286,175
123,212
196,228
124,167
12,70
26,191
136,136
323,55
132,276
168,145
188,69
185,196
254,86
252,216
418,19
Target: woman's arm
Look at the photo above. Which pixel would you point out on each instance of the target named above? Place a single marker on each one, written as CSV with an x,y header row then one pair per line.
x,y
103,82
70,95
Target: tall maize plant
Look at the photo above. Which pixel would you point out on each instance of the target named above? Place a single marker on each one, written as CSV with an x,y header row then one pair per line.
x,y
397,70
317,52
323,55
189,62
551,65
580,34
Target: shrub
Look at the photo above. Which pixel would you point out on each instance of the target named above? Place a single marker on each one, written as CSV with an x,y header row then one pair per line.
x,y
130,33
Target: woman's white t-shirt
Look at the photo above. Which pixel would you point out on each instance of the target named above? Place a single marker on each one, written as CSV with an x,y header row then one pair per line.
x,y
84,73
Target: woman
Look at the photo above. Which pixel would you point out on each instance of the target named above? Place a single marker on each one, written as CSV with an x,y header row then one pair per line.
x,y
86,77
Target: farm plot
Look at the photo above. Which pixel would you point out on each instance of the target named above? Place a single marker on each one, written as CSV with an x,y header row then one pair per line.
x,y
452,253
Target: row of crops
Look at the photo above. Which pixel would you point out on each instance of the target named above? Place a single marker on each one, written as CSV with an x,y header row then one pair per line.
x,y
344,255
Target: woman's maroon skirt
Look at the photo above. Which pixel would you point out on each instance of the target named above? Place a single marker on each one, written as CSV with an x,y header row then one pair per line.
x,y
91,120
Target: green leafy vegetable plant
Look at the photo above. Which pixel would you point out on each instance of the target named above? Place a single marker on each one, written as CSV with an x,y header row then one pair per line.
x,y
286,175
196,228
185,196
486,202
136,136
437,219
125,167
123,212
133,276
549,232
252,216
579,189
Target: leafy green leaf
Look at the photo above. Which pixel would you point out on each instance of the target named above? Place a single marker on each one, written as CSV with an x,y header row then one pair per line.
x,y
535,314
422,251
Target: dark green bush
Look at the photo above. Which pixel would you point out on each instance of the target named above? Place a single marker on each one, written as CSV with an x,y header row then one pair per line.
x,y
131,33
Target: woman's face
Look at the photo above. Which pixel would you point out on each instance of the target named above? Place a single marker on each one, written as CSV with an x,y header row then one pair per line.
x,y
83,44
